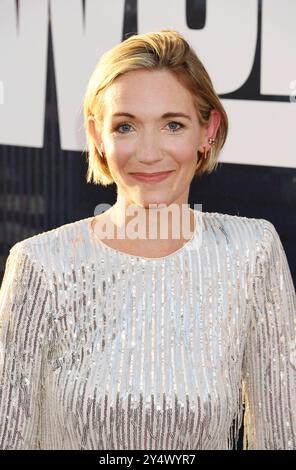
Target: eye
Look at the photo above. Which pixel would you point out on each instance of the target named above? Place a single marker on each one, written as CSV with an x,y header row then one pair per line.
x,y
127,126
123,124
178,124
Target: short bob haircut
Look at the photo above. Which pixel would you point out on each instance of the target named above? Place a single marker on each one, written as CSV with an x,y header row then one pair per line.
x,y
164,49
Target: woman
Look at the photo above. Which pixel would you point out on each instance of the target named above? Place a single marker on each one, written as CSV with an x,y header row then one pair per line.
x,y
121,342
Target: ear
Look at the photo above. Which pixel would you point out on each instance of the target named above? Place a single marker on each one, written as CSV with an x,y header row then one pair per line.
x,y
210,130
95,134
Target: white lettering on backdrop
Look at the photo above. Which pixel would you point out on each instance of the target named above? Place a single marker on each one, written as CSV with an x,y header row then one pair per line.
x,y
260,131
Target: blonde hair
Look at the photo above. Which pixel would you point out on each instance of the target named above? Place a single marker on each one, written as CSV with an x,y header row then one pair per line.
x,y
164,49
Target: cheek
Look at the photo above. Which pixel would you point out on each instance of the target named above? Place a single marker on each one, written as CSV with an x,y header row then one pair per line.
x,y
124,148
118,153
184,152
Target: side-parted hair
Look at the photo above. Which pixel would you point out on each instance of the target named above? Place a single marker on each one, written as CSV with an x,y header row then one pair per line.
x,y
164,49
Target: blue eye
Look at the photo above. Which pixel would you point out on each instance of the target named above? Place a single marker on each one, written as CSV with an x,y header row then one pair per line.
x,y
125,124
121,125
178,123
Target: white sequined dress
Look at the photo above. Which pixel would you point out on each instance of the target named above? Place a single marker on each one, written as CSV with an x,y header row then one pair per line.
x,y
102,349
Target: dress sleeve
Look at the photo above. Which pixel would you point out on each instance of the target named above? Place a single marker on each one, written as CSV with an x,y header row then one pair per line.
x,y
23,303
269,365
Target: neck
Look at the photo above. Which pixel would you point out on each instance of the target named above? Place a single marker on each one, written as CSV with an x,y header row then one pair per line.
x,y
155,223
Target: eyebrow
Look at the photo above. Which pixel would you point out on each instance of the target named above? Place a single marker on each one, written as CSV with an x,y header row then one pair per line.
x,y
165,115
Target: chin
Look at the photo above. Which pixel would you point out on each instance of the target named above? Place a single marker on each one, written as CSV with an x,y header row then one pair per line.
x,y
162,201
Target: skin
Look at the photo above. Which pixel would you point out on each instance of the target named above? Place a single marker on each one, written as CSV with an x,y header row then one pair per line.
x,y
147,143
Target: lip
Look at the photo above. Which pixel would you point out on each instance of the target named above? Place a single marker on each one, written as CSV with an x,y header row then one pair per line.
x,y
152,177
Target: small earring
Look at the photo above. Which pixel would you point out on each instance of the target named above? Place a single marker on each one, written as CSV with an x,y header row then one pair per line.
x,y
211,142
205,153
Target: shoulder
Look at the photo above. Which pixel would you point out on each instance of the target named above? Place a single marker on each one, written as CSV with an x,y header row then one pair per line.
x,y
247,232
247,240
54,246
235,222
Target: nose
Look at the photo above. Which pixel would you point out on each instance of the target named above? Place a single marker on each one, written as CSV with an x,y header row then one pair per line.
x,y
148,150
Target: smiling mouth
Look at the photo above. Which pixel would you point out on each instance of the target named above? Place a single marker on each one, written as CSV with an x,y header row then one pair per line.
x,y
152,177
152,174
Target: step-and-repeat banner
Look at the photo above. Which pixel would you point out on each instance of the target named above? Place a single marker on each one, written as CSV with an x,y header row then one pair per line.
x,y
248,49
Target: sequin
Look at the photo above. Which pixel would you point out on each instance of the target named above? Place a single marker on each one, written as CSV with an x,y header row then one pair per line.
x,y
100,349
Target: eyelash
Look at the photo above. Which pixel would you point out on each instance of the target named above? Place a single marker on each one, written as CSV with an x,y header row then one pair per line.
x,y
116,128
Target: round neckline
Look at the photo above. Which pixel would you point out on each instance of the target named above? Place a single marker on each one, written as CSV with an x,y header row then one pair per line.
x,y
98,241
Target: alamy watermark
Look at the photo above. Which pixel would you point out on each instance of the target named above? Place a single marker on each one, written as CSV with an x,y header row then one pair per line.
x,y
157,222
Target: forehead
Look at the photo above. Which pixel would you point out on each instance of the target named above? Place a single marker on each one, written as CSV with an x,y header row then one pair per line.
x,y
147,90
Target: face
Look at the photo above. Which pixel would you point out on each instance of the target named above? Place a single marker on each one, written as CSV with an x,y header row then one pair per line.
x,y
140,136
